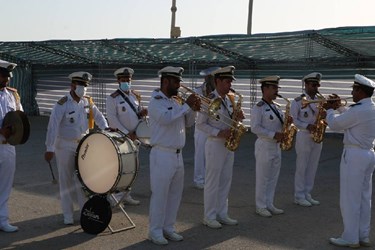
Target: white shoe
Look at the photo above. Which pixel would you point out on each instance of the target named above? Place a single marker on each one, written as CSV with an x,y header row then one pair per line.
x,y
275,211
227,221
158,240
130,201
342,243
173,236
68,221
199,186
263,212
212,223
312,201
302,202
365,242
8,228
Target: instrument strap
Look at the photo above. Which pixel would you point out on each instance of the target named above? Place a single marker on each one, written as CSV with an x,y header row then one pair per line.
x,y
226,107
275,111
128,101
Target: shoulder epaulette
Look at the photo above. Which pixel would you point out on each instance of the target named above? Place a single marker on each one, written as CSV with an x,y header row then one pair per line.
x,y
115,94
260,103
158,97
299,98
62,100
11,89
136,93
211,95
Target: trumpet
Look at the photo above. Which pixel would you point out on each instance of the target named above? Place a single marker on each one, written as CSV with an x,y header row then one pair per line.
x,y
209,107
322,100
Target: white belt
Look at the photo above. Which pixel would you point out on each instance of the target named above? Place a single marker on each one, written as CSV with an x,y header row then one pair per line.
x,y
70,140
267,139
215,138
356,146
172,150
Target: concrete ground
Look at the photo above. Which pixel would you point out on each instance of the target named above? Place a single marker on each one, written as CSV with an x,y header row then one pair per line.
x,y
35,208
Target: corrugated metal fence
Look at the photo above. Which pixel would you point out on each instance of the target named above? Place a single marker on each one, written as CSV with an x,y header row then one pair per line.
x,y
51,87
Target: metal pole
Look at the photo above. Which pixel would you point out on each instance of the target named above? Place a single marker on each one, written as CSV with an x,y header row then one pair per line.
x,y
250,17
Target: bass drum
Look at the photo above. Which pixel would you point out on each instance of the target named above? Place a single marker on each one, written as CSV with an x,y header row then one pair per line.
x,y
106,161
143,132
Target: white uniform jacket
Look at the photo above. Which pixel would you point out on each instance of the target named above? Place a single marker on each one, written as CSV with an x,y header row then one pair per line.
x,y
120,114
69,120
213,125
302,117
264,122
168,120
358,123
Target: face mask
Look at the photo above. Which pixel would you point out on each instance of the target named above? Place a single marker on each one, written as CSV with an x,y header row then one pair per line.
x,y
80,90
125,86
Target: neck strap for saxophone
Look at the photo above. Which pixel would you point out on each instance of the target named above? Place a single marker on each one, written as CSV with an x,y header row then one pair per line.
x,y
128,101
275,111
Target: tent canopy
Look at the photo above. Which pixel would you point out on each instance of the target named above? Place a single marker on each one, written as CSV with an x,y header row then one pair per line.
x,y
336,49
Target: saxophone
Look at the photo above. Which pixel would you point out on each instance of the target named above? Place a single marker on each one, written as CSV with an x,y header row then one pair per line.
x,y
320,123
289,129
237,129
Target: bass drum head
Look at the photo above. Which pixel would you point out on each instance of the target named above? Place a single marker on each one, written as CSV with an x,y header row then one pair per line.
x,y
96,215
98,163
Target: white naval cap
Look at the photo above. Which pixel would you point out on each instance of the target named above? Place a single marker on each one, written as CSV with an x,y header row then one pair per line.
x,y
81,76
312,77
225,72
270,80
364,81
6,68
125,71
208,71
171,71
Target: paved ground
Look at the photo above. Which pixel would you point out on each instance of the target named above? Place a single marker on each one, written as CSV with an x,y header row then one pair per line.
x,y
35,208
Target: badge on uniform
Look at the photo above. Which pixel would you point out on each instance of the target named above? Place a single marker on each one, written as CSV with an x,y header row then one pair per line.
x,y
271,117
305,114
71,120
123,109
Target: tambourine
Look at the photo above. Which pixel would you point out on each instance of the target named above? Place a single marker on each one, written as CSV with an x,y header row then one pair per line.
x,y
19,126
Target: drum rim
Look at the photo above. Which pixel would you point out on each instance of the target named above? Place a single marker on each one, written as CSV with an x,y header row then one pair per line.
x,y
77,167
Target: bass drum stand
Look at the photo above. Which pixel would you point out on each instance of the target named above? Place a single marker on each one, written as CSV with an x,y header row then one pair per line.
x,y
121,206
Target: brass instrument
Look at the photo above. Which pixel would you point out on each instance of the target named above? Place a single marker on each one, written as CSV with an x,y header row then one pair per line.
x,y
237,128
209,107
289,129
320,123
322,100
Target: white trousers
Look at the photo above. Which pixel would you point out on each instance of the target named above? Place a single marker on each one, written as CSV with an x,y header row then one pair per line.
x,y
356,169
219,169
70,187
167,184
200,139
267,166
7,170
308,155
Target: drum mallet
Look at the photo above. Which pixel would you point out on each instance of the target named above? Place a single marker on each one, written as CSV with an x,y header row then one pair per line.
x,y
54,181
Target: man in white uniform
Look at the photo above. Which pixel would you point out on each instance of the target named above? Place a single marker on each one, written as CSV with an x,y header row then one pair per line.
x,y
168,119
219,160
267,122
357,162
307,150
70,120
9,101
200,137
124,112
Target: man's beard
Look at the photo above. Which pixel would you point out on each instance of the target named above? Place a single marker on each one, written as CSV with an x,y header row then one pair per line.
x,y
3,84
173,92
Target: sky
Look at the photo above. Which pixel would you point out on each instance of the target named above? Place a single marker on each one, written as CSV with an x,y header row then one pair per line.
x,y
38,20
